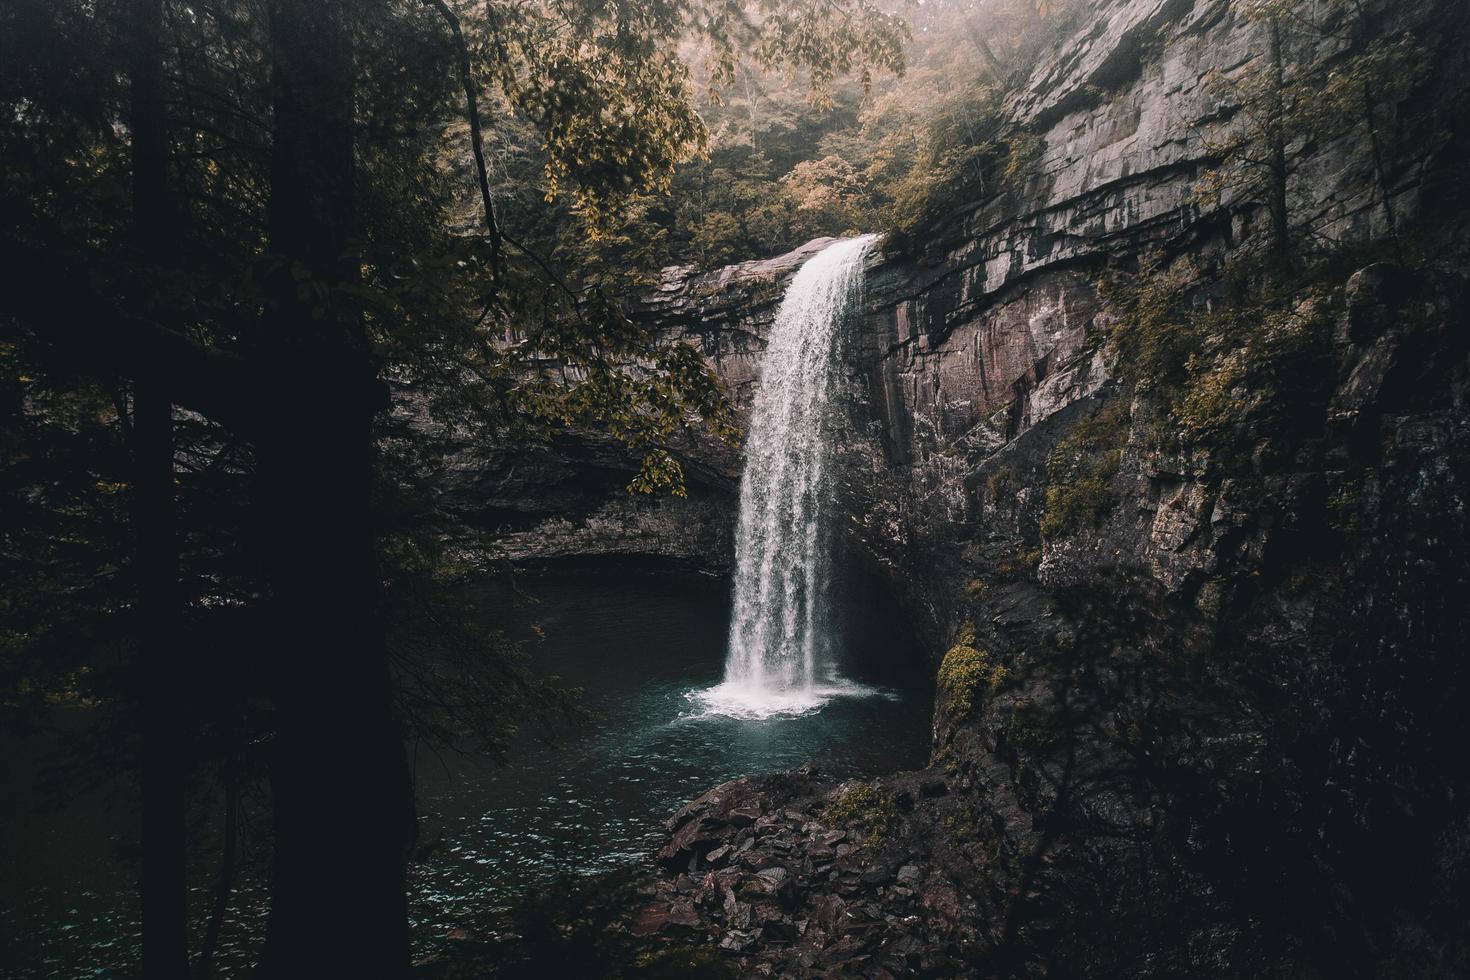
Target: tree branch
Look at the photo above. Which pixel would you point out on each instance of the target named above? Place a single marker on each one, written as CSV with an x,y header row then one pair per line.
x,y
57,303
477,143
976,38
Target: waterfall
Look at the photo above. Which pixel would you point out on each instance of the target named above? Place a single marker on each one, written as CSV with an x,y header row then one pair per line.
x,y
781,658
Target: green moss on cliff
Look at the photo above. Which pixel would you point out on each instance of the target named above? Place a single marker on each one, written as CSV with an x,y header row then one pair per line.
x,y
965,672
1083,503
1032,726
963,826
1080,472
1249,363
871,809
681,960
1214,352
1154,332
1001,483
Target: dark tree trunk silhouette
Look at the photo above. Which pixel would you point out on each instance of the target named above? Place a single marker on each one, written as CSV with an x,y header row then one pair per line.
x,y
1362,39
209,946
164,883
163,879
342,798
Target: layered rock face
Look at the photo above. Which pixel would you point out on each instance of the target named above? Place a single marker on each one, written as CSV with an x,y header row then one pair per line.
x,y
1205,729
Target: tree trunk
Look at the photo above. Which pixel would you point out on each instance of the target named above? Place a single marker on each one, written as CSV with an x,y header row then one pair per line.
x,y
163,881
343,802
477,141
991,62
209,946
342,799
1363,41
1277,202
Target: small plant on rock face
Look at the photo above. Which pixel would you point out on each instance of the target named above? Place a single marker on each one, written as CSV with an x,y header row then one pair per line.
x,y
1002,483
1021,563
1252,360
944,757
1154,329
1082,503
1081,471
965,672
963,825
1032,726
1344,503
875,811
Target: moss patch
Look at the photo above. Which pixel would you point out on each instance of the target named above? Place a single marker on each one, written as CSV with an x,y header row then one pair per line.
x,y
1080,472
965,672
1001,484
679,962
1032,726
1155,331
875,811
963,825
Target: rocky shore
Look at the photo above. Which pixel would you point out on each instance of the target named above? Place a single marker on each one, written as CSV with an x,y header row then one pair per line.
x,y
793,878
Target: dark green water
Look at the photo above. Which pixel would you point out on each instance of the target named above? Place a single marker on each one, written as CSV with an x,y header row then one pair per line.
x,y
639,649
637,644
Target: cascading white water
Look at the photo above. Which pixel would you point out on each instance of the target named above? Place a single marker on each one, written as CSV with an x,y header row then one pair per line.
x,y
780,659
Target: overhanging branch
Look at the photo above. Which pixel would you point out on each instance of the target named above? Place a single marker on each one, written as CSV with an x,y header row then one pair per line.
x,y
477,143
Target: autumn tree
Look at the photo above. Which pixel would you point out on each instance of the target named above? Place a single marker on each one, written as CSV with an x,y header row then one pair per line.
x,y
1008,34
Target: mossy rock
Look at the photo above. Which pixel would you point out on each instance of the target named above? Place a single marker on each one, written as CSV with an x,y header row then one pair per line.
x,y
875,811
1080,471
1033,726
681,962
965,672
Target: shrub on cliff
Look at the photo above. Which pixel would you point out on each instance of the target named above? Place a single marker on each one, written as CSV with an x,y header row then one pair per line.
x,y
1249,361
1080,471
965,671
1212,359
1153,333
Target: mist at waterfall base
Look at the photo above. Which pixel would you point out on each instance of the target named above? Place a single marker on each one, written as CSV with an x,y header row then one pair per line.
x,y
783,636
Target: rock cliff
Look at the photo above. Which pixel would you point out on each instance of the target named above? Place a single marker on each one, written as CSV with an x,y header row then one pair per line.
x,y
1205,728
